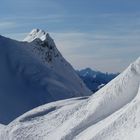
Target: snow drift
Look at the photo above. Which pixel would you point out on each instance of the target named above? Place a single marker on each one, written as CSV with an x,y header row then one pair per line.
x,y
113,113
32,73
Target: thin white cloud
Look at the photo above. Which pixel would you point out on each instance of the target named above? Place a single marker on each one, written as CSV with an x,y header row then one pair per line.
x,y
48,17
17,36
7,24
110,53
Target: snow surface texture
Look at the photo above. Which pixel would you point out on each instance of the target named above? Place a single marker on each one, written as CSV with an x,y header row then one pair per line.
x,y
34,73
113,113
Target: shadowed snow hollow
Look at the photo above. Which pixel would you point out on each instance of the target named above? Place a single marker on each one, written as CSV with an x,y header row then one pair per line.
x,y
113,113
33,73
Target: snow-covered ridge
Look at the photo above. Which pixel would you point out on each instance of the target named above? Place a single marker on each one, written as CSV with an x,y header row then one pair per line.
x,y
37,33
113,113
34,73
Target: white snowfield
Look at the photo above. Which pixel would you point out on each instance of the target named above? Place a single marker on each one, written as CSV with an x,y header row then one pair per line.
x,y
33,73
113,113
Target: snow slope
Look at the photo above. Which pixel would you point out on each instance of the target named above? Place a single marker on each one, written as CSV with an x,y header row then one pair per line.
x,y
113,113
32,74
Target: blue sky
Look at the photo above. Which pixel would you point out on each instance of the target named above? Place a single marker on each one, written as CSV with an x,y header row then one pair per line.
x,y
101,34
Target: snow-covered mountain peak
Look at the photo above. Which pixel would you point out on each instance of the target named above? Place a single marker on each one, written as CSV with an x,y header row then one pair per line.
x,y
113,113
43,45
88,70
38,33
34,73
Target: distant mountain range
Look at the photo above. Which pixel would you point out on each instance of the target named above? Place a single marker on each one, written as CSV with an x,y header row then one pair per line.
x,y
95,80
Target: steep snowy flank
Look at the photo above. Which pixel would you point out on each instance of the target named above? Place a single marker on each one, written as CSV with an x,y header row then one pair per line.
x,y
32,74
113,113
45,49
